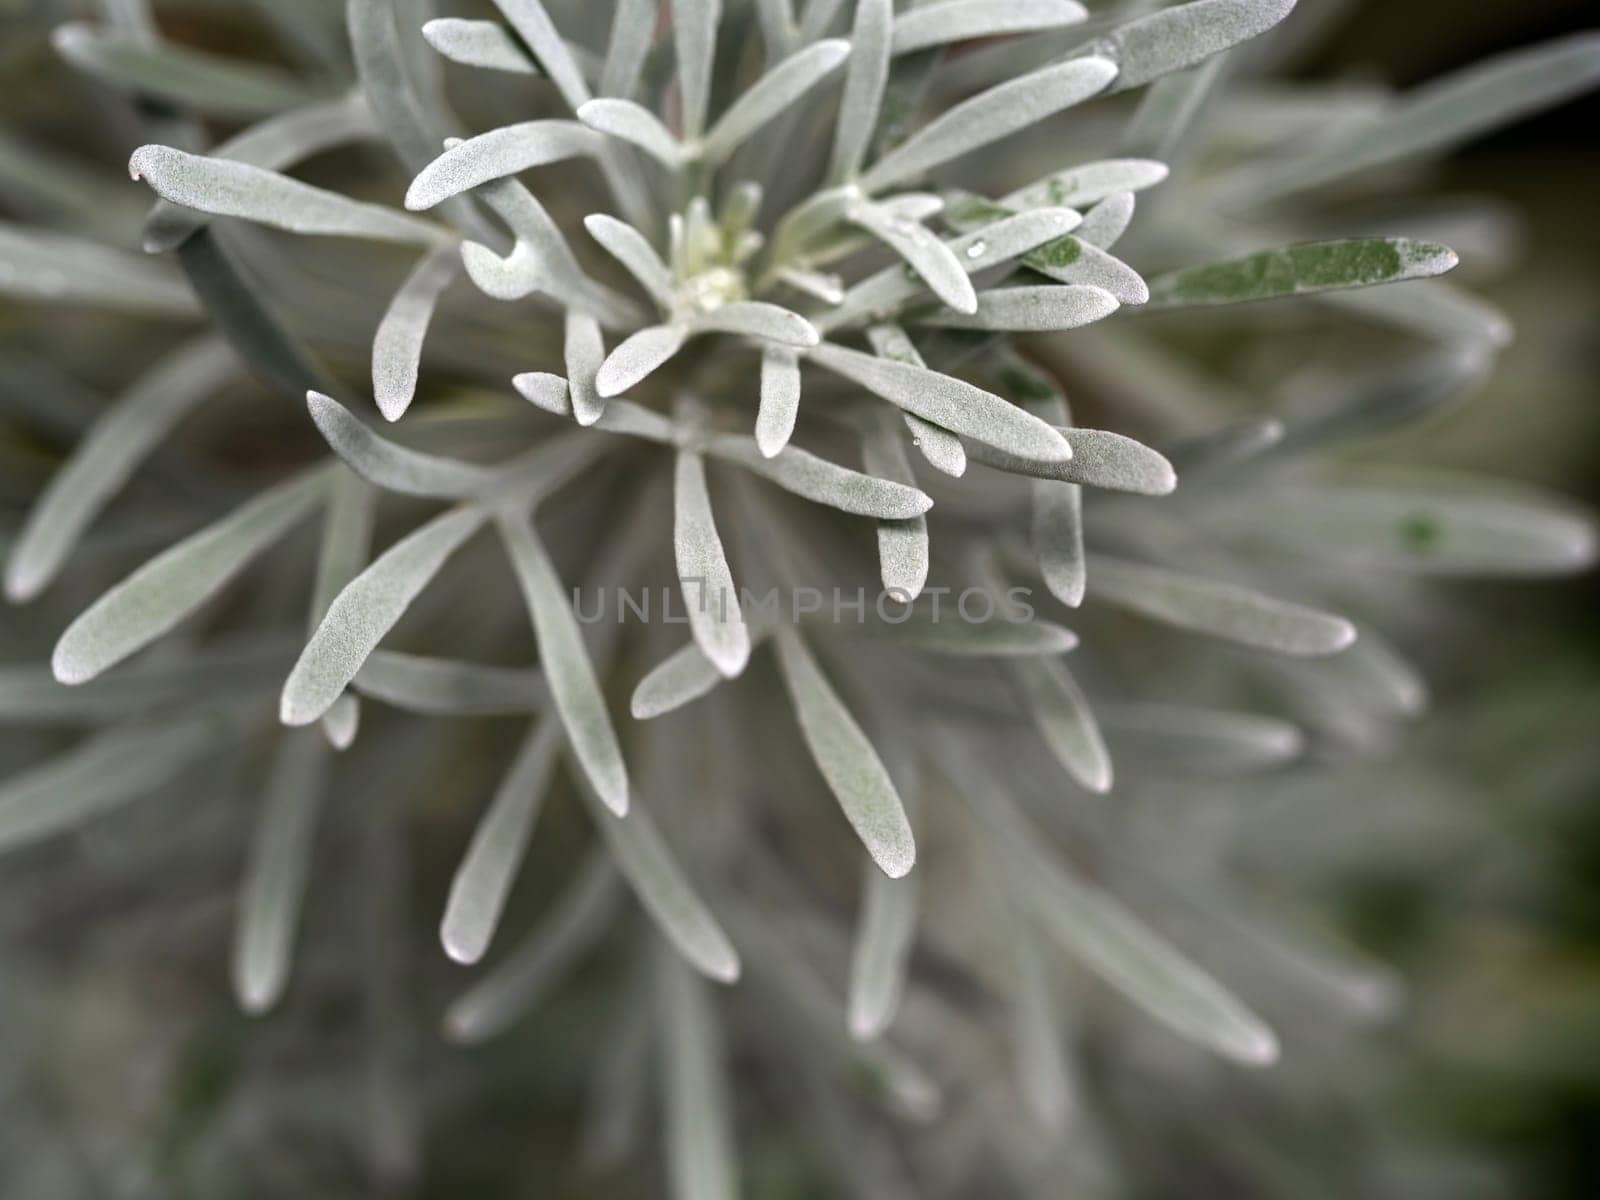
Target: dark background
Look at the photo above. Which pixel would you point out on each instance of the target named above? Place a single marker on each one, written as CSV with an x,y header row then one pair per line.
x,y
1512,1064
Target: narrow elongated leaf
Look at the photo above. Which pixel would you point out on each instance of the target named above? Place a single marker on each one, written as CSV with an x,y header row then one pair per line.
x,y
940,447
803,473
847,761
389,465
1301,270
870,37
1081,186
567,669
585,350
1099,459
447,687
505,151
902,545
1069,260
534,26
1183,35
1442,114
758,319
235,667
780,400
989,632
182,76
1041,309
367,609
1168,109
247,318
1427,523
681,678
1433,308
482,882
226,188
694,32
274,885
478,44
772,94
1202,740
385,81
1074,260
1065,721
540,260
1093,926
1395,395
632,29
699,1126
709,595
177,581
544,390
637,125
1106,222
637,357
57,268
948,402
1040,1058
778,27
346,548
1221,609
276,143
819,285
990,116
933,261
630,248
987,245
885,933
577,920
135,424
1057,532
107,771
965,20
658,881
397,346
634,420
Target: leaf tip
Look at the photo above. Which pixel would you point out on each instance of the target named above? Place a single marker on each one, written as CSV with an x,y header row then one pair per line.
x,y
544,390
1256,1046
67,665
460,946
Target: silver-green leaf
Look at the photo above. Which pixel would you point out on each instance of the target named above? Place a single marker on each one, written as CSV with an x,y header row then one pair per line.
x,y
846,759
177,581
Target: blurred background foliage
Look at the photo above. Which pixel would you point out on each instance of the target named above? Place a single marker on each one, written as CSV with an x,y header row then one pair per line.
x,y
1502,944
124,1045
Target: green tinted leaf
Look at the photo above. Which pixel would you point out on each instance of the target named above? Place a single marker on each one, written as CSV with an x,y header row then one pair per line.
x,y
1300,270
